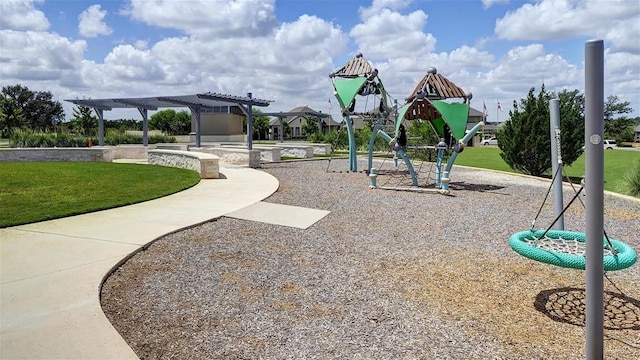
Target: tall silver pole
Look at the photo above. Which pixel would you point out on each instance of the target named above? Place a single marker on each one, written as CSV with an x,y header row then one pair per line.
x,y
556,163
594,132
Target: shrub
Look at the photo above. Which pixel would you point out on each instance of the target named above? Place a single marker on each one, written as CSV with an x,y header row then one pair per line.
x,y
30,138
631,181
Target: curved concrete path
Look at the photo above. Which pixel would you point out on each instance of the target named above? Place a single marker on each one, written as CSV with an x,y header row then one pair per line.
x,y
51,271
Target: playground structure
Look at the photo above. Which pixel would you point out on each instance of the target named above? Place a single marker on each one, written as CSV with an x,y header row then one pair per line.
x,y
357,79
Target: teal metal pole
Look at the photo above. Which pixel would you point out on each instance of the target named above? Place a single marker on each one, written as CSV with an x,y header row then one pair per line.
x,y
405,158
353,163
452,159
372,140
442,146
474,130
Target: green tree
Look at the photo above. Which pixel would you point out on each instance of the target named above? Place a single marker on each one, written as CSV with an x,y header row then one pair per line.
x,y
571,125
171,122
424,130
287,130
613,107
11,116
38,108
260,125
310,126
618,127
84,122
525,140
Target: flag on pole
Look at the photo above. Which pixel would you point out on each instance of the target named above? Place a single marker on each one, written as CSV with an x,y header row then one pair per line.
x,y
484,109
330,105
500,106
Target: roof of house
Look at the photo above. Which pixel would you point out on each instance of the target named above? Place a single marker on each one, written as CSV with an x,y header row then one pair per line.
x,y
275,121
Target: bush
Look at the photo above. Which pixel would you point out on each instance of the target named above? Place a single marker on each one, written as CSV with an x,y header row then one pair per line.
x,y
631,181
30,139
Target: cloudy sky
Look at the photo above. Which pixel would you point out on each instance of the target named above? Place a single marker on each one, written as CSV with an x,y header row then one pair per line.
x,y
283,50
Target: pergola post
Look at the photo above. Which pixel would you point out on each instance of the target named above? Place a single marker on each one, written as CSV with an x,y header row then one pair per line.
x,y
249,124
145,126
281,128
100,114
196,111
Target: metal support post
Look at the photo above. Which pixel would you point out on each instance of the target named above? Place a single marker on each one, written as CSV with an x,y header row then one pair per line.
x,y
145,126
249,124
594,132
556,163
100,126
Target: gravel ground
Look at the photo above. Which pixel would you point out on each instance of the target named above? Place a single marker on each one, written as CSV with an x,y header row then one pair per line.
x,y
387,274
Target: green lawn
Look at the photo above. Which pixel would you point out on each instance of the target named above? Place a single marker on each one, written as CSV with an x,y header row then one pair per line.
x,y
36,191
616,163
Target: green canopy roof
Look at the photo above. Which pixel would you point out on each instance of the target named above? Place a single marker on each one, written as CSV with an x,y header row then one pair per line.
x,y
348,88
455,115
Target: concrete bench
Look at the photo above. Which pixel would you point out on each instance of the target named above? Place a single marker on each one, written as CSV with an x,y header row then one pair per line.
x,y
318,148
301,151
234,156
205,164
173,146
267,153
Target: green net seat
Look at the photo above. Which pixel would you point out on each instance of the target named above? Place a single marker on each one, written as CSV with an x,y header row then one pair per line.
x,y
567,249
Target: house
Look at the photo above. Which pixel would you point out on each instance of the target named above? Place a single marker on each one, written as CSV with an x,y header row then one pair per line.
x,y
488,131
636,132
296,122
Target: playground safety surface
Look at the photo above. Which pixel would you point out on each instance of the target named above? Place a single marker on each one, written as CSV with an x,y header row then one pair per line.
x,y
385,274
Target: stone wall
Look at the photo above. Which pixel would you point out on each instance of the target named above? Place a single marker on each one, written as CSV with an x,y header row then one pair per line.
x,y
96,153
55,154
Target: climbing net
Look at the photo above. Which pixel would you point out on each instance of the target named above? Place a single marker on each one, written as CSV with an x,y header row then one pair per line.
x,y
394,174
573,244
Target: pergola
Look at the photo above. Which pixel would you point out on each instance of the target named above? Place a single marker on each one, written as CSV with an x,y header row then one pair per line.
x,y
281,115
195,103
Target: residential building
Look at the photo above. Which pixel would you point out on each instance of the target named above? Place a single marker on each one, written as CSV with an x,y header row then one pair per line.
x,y
296,124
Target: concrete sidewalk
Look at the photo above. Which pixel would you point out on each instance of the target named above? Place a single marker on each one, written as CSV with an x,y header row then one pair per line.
x,y
51,272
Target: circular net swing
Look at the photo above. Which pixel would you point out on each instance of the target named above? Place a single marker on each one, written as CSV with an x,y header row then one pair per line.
x,y
568,248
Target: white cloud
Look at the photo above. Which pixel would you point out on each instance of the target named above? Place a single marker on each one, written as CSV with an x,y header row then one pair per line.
x,y
388,34
294,66
489,3
379,5
127,63
563,19
22,15
529,66
38,55
91,22
290,61
235,18
624,36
